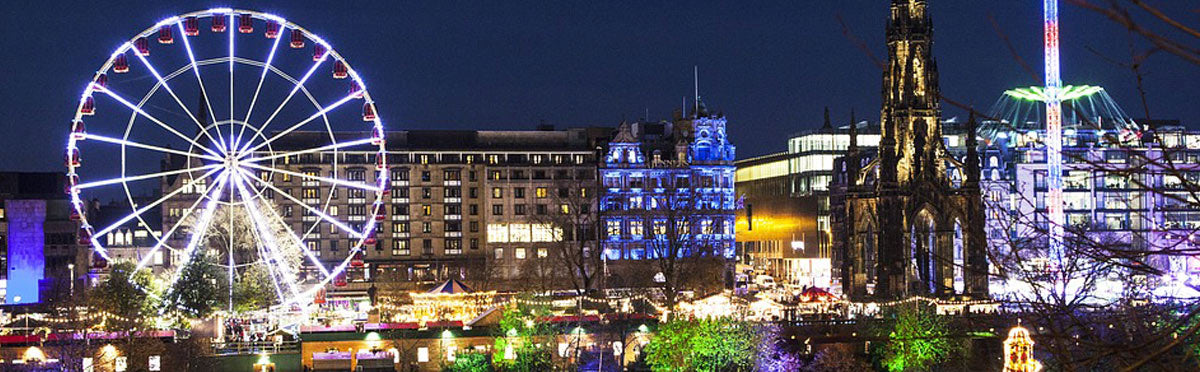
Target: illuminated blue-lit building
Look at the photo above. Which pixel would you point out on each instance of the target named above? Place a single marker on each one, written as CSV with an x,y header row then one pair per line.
x,y
37,238
668,187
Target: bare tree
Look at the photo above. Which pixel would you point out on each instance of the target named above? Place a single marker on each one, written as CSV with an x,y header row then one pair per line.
x,y
679,249
571,219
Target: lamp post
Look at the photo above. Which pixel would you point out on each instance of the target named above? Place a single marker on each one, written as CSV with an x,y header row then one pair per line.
x,y
71,268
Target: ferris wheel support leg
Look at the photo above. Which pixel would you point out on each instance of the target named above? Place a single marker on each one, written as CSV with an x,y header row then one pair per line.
x,y
312,259
166,236
205,221
261,225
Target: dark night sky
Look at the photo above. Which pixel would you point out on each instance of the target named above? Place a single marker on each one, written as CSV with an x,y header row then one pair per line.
x,y
770,66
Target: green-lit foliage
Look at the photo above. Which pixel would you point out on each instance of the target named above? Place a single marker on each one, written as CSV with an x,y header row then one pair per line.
x,y
253,289
470,362
919,338
199,290
702,345
522,327
122,294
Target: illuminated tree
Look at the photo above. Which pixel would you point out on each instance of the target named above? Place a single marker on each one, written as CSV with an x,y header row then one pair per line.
x,y
470,362
523,336
773,355
703,345
121,294
200,289
252,289
918,339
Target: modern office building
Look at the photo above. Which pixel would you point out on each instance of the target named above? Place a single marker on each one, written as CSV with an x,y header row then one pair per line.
x,y
783,227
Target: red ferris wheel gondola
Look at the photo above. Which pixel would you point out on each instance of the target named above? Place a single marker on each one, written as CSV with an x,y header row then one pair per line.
x,y
98,261
245,24
318,52
218,24
78,132
340,71
165,36
88,107
272,30
368,112
72,157
191,26
297,39
142,45
101,81
121,64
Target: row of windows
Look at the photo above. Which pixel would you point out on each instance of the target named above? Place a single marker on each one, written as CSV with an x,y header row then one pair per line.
x,y
615,228
636,181
401,247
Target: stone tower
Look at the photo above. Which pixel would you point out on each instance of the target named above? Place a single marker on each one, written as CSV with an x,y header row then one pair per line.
x,y
910,228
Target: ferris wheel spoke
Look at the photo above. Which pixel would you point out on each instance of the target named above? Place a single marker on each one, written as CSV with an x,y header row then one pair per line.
x,y
165,85
138,212
203,92
314,116
312,209
160,123
231,35
261,78
312,150
118,141
111,181
202,225
295,88
262,224
162,240
335,181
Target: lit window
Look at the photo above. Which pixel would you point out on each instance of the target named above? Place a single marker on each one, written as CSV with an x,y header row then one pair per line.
x,y
497,233
422,354
497,192
520,253
541,192
542,253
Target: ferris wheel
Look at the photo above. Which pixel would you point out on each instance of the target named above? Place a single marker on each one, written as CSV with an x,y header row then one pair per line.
x,y
215,120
